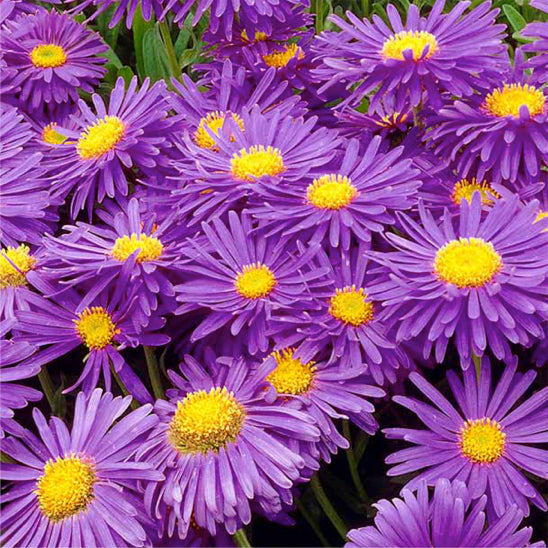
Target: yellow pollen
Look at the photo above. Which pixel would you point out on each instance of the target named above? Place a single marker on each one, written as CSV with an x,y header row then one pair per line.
x,y
350,306
214,121
467,262
482,440
259,36
280,58
15,262
291,376
66,487
331,192
391,120
48,56
541,215
100,137
150,248
254,281
206,421
95,327
52,137
508,100
416,41
256,162
465,189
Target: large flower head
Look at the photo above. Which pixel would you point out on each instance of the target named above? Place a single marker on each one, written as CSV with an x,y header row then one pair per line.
x,y
78,487
448,517
221,446
479,281
488,443
538,31
54,56
454,51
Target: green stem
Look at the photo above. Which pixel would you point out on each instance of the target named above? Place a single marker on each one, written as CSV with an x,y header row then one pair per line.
x,y
154,372
477,365
353,465
312,522
174,67
134,403
327,507
240,538
47,386
318,10
365,8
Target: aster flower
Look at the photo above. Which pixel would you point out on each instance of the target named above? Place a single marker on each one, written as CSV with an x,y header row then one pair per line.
x,y
538,30
78,487
54,56
447,518
96,161
488,444
354,196
453,52
220,446
481,284
242,278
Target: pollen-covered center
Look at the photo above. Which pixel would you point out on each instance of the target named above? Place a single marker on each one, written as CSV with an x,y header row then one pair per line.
x,y
252,164
214,122
66,487
331,192
259,36
48,56
280,58
255,281
465,189
467,262
482,440
15,262
96,328
416,41
291,375
100,137
150,248
206,421
52,137
508,100
350,306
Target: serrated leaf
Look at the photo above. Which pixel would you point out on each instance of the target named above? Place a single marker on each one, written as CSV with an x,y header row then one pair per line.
x,y
516,20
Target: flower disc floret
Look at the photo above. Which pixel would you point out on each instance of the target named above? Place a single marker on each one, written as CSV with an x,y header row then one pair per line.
x,y
508,100
96,327
280,58
252,164
150,248
291,375
464,189
15,262
482,440
331,192
48,56
214,122
350,306
416,41
100,137
52,137
255,281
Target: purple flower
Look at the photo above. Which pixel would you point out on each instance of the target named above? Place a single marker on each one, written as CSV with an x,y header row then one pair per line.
x,y
221,447
54,56
418,60
78,487
540,46
481,284
487,445
447,518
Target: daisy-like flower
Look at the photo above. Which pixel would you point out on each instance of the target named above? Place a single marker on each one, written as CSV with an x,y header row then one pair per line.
x,y
355,196
242,278
446,518
539,31
78,487
54,56
488,444
481,284
98,159
220,446
418,60
501,135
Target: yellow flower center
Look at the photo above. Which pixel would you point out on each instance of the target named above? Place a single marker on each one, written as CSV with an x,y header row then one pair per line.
x,y
259,36
391,120
416,41
254,281
256,162
100,137
48,56
350,306
150,248
50,136
95,327
508,100
482,440
331,192
66,487
214,121
291,376
467,262
206,421
541,215
280,58
465,189
15,262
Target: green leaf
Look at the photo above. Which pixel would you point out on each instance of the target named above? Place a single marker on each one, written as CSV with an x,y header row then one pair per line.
x,y
516,20
155,61
126,73
140,27
110,35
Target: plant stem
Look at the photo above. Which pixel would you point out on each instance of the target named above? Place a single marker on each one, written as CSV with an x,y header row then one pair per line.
x,y
47,386
240,538
174,67
134,404
310,520
154,372
477,365
353,465
327,507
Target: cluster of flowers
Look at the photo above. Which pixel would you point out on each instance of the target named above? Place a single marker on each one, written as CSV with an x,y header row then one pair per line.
x,y
310,226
